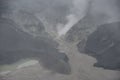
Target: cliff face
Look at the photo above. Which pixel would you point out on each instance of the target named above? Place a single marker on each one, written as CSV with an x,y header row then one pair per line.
x,y
104,44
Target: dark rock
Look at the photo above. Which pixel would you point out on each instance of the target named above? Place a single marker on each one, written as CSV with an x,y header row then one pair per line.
x,y
104,45
15,45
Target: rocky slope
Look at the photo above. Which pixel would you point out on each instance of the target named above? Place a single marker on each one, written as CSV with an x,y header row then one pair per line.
x,y
103,44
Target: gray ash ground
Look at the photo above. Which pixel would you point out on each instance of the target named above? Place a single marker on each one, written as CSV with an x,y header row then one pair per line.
x,y
81,65
20,22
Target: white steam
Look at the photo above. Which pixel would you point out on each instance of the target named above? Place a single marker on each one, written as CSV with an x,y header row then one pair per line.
x,y
78,11
71,21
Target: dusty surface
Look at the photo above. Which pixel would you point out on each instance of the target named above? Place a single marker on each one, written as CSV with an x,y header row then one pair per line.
x,y
82,69
81,64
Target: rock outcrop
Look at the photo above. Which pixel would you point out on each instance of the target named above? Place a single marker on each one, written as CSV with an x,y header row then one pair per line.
x,y
104,45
